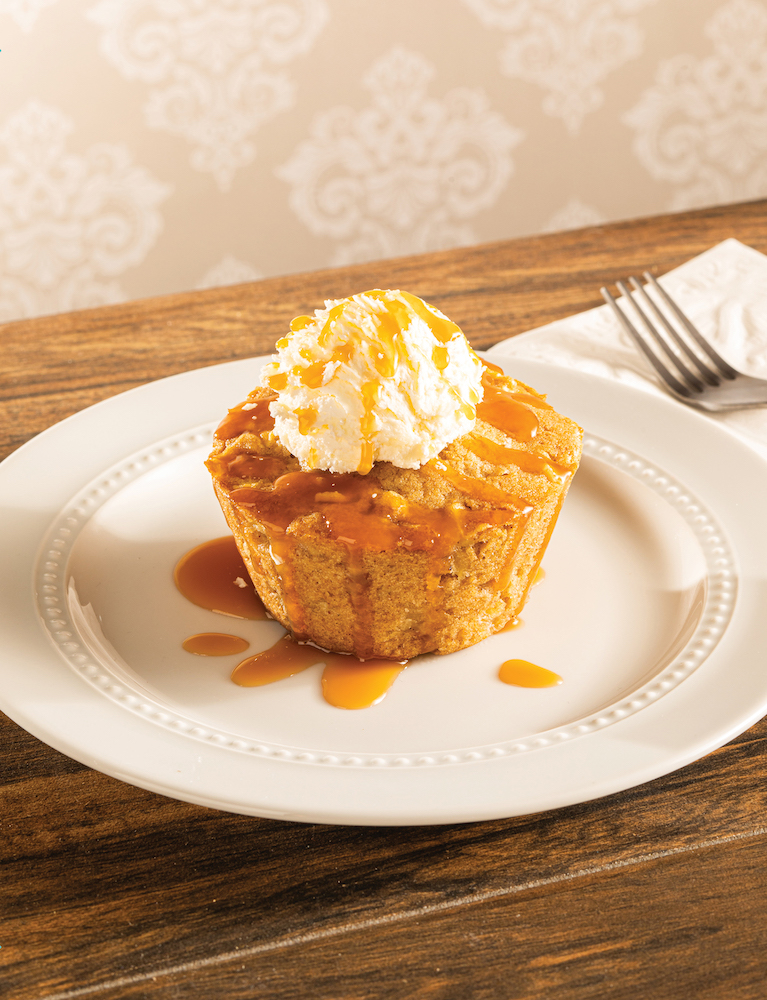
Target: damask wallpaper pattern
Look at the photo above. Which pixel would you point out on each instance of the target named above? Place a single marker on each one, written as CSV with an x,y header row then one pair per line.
x,y
405,173
150,146
214,71
566,48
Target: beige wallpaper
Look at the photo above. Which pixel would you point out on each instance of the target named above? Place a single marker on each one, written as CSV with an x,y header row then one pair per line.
x,y
150,146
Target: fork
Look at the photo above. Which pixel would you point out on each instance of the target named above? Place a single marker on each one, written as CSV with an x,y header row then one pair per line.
x,y
699,376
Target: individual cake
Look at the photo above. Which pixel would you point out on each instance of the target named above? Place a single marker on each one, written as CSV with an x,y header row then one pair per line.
x,y
391,494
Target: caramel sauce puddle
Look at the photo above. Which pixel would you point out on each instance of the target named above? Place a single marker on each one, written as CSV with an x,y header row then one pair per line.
x,y
213,576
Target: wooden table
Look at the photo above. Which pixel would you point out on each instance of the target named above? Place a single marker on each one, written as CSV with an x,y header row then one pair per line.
x,y
112,892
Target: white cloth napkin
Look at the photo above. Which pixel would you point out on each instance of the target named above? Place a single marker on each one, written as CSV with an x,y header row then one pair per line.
x,y
723,291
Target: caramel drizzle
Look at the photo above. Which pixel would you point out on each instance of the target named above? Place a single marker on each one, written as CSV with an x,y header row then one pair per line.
x,y
440,357
356,512
298,323
284,659
251,416
352,684
478,488
387,352
490,367
397,318
312,376
443,329
307,417
497,454
279,381
531,398
505,411
245,465
347,683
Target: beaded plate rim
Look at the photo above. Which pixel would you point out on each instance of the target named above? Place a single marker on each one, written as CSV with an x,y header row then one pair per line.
x,y
52,605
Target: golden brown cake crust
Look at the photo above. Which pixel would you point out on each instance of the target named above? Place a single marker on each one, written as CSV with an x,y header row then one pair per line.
x,y
401,561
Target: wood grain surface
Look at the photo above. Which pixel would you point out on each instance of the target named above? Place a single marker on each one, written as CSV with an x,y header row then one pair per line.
x,y
112,892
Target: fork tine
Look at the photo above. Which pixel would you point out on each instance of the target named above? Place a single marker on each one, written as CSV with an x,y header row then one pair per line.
x,y
690,379
703,370
674,384
721,365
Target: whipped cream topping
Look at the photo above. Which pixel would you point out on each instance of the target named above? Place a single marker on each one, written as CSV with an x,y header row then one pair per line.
x,y
378,377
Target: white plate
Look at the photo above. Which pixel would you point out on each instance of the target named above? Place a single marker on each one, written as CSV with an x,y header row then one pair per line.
x,y
652,610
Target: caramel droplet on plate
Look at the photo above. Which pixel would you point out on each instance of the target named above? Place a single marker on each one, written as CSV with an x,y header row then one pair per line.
x,y
214,644
522,673
358,684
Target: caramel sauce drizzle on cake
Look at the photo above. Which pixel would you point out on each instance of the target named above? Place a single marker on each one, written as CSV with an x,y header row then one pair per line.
x,y
497,454
360,514
252,415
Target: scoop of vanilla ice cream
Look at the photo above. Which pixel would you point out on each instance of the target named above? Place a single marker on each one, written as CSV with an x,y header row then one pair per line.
x,y
378,377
